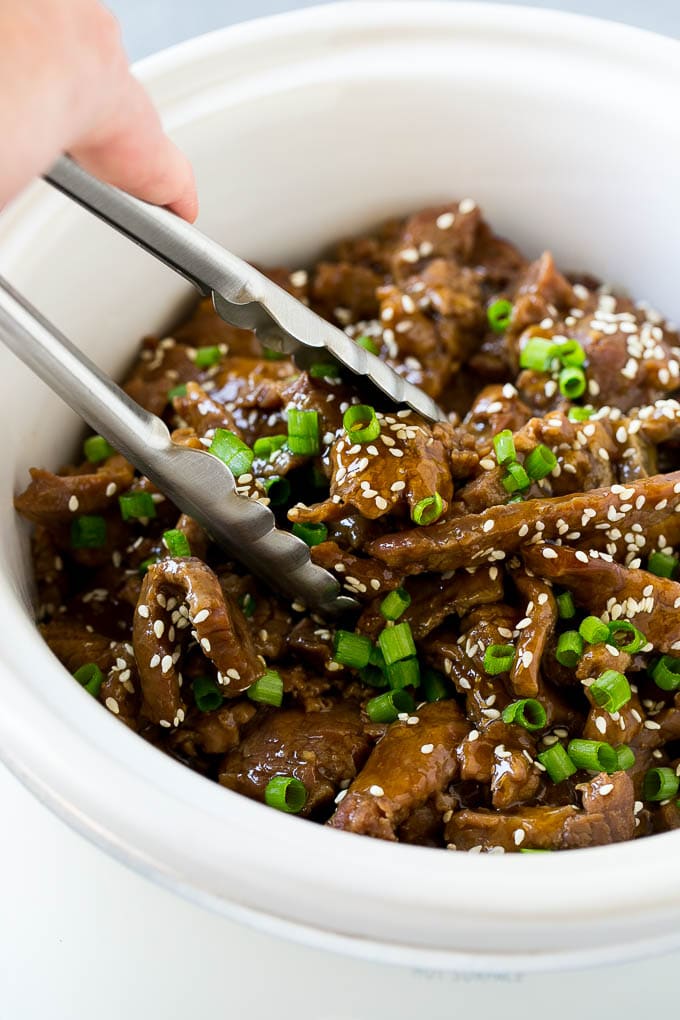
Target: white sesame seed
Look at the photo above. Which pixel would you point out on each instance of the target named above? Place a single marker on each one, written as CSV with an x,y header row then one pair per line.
x,y
158,628
518,836
73,504
154,661
601,724
111,489
606,789
651,724
488,525
202,615
549,554
473,735
112,705
427,748
166,664
143,611
467,205
445,220
376,791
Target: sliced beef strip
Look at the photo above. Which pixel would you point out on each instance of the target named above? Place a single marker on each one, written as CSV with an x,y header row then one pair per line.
x,y
324,750
162,365
213,733
57,499
406,768
495,408
535,628
204,328
360,576
542,292
344,291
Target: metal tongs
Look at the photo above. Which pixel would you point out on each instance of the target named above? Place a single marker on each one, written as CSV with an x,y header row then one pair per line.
x,y
196,481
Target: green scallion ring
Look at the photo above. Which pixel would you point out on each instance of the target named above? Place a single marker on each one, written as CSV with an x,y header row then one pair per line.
x,y
660,784
232,451
556,763
569,648
404,673
311,533
368,344
136,505
176,542
540,462
206,357
611,690
593,755
498,315
373,677
324,370
396,643
625,758
97,449
361,423
435,686
88,532
580,413
572,382
571,353
207,694
565,606
516,479
498,659
504,445
303,432
528,713
266,446
427,510
385,708
395,604
593,630
352,649
90,677
635,643
286,793
662,564
177,391
145,564
278,490
666,673
267,689
538,354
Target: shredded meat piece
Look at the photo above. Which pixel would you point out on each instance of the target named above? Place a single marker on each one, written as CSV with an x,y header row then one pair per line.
x,y
541,614
57,499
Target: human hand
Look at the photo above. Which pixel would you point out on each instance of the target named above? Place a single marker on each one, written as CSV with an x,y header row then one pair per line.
x,y
65,86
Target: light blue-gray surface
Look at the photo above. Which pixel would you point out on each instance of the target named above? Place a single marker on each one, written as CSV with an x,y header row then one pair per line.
x,y
150,25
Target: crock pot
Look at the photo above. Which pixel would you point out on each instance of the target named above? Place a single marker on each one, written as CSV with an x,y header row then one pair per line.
x,y
304,128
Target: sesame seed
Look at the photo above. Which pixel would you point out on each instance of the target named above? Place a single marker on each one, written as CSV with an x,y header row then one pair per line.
x,y
201,616
606,789
381,503
111,489
73,504
413,720
166,664
601,724
427,748
143,611
376,791
112,705
446,219
473,735
518,836
549,554
158,628
651,724
488,525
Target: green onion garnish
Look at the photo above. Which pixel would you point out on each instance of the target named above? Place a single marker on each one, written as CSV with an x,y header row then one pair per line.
x,y
248,605
498,315
361,423
385,708
207,694
405,673
427,510
527,712
571,353
594,755
265,446
565,606
206,357
435,686
177,543
267,689
97,449
540,462
556,763
504,445
636,642
232,451
515,499
662,564
593,630
278,490
373,677
88,532
498,659
269,355
145,564
323,370
303,432
136,505
397,643
352,649
580,413
516,478
368,344
569,648
611,690
312,534
395,604
538,354
666,673
572,382
660,784
90,677
624,758
285,793
177,391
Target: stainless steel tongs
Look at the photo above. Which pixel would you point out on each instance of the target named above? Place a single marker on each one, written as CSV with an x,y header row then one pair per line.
x,y
196,481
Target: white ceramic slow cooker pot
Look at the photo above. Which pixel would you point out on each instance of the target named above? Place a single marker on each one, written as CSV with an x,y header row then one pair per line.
x,y
304,128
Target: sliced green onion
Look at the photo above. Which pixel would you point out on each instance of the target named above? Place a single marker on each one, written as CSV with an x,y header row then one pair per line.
x,y
385,708
565,606
286,793
377,658
594,755
611,690
427,510
206,357
136,505
580,413
373,677
498,659
395,604
361,423
556,763
232,451
318,478
177,391
368,344
405,673
527,712
660,784
397,643
267,689
312,534
435,686
662,564
323,370
569,648
352,649
498,315
90,677
303,432
515,499
538,354
572,382
88,532
666,673
516,478
540,462
504,445
278,490
265,446
145,564
535,850
248,605
207,694
571,353
593,630
97,449
624,758
636,642
269,355
177,543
